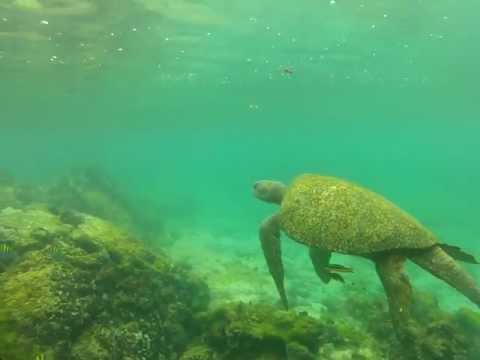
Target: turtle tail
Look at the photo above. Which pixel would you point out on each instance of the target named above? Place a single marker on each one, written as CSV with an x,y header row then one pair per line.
x,y
441,264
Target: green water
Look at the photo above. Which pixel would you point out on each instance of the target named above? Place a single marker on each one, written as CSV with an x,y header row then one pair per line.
x,y
187,103
196,105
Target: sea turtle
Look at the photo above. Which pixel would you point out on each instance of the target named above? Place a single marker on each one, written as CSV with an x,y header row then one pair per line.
x,y
334,215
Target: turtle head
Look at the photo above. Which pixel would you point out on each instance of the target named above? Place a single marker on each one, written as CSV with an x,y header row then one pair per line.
x,y
269,191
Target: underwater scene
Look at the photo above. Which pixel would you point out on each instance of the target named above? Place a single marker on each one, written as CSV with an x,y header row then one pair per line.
x,y
239,180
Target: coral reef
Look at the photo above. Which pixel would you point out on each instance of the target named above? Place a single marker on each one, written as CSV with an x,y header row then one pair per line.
x,y
258,331
90,291
88,190
255,331
77,286
447,336
91,191
7,190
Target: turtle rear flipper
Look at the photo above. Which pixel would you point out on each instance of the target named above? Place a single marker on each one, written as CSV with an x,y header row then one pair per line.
x,y
458,254
390,270
440,264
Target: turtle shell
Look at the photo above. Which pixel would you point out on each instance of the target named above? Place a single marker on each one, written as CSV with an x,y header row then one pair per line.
x,y
340,216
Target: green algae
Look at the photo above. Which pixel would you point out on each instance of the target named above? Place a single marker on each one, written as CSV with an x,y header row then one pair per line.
x,y
82,288
87,190
104,294
259,331
446,335
199,352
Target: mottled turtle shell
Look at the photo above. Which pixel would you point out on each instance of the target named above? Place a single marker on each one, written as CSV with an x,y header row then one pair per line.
x,y
343,217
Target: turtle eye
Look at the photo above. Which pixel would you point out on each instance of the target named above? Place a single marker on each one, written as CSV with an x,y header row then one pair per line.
x,y
255,186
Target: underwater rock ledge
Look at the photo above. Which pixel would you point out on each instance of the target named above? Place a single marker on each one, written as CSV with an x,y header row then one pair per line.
x,y
89,292
76,286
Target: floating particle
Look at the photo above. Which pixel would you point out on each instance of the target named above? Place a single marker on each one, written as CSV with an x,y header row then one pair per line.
x,y
385,16
167,39
44,22
112,34
134,29
4,19
120,49
332,2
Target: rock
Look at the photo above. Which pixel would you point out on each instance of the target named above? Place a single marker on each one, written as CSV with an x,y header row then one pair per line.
x,y
199,352
247,331
74,291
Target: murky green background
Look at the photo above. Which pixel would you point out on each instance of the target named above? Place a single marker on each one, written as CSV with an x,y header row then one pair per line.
x,y
187,103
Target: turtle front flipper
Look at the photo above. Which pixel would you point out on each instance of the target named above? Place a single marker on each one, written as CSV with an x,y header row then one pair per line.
x,y
439,263
270,239
321,263
399,293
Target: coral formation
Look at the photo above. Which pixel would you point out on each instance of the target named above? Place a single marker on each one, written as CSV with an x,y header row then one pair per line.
x,y
448,336
76,286
88,190
91,191
7,190
74,291
256,331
